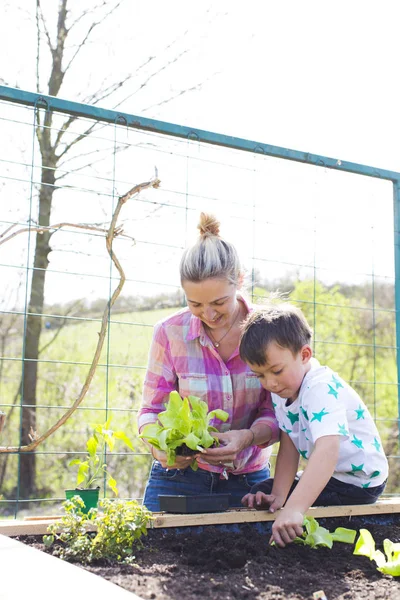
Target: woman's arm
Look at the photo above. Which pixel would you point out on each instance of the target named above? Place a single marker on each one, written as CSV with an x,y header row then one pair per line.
x,y
159,381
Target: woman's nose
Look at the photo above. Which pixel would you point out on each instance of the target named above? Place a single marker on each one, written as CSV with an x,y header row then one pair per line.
x,y
209,314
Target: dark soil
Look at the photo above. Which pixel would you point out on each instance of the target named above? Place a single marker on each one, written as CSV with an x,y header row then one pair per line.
x,y
218,563
185,451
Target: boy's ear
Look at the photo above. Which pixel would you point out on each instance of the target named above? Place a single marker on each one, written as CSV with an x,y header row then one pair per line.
x,y
306,353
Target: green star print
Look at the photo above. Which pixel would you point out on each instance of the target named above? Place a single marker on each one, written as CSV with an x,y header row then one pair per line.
x,y
360,412
286,429
342,429
357,442
332,391
337,382
305,415
318,416
375,474
355,468
293,417
303,453
376,444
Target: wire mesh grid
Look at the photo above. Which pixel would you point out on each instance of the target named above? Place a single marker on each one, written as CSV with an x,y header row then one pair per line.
x,y
324,238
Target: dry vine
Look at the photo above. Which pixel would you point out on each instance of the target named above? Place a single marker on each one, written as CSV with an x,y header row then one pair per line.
x,y
112,232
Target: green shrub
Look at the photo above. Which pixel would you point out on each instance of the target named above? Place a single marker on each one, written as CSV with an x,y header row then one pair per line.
x,y
110,534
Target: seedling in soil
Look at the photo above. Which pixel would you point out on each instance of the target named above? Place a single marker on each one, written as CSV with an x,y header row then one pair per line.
x,y
183,428
315,535
389,564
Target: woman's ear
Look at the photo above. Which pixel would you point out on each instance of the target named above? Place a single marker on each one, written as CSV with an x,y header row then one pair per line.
x,y
240,281
306,354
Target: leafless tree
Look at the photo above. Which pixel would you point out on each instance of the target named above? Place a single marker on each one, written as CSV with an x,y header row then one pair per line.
x,y
59,42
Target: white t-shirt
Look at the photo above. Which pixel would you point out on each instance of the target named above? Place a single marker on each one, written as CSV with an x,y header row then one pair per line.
x,y
326,405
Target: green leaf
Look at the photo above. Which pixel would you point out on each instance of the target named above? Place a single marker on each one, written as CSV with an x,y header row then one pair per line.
x,y
392,550
184,421
220,414
319,537
365,545
82,473
91,445
192,441
391,568
48,540
347,536
113,485
379,558
120,435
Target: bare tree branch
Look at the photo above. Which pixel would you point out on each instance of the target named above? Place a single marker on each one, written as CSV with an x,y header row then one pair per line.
x,y
151,76
118,231
116,150
111,233
80,137
59,329
40,17
89,31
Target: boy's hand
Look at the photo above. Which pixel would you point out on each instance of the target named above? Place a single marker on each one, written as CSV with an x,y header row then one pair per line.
x,y
287,526
262,501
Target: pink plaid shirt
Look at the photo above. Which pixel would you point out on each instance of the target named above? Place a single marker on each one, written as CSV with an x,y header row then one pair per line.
x,y
183,358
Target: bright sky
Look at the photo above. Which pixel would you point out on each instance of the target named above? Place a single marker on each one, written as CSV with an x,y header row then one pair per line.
x,y
312,76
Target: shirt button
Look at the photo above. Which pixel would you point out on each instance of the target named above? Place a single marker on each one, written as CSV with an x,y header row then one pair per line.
x,y
229,397
226,372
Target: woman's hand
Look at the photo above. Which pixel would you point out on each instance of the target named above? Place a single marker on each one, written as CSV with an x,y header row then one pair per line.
x,y
231,443
181,462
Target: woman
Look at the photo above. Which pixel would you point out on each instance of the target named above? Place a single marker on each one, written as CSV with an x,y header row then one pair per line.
x,y
196,353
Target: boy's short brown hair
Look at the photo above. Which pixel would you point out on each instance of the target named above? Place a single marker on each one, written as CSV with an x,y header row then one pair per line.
x,y
283,324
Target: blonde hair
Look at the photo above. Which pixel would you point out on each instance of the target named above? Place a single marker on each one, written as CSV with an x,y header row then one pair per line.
x,y
211,256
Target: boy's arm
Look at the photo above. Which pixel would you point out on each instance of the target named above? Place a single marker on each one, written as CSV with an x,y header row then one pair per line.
x,y
317,473
285,470
287,463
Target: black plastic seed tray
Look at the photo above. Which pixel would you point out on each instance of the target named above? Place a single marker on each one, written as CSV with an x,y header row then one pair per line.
x,y
194,504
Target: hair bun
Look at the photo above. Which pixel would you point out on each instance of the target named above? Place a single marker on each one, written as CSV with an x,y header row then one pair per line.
x,y
208,225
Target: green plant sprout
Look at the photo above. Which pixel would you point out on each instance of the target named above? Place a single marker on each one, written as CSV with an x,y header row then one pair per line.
x,y
315,535
185,422
93,468
389,564
112,534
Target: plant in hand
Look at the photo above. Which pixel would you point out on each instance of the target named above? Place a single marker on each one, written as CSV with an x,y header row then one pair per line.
x,y
92,469
183,428
111,534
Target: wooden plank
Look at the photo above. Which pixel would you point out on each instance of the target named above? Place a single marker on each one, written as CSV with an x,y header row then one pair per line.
x,y
13,528
246,515
38,526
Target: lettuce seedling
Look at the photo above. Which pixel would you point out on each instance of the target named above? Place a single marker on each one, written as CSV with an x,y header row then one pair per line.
x,y
315,535
389,564
184,422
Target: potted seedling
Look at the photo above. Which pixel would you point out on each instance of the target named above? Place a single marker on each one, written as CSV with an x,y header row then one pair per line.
x,y
93,469
184,428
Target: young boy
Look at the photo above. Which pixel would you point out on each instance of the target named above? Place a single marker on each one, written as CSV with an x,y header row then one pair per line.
x,y
320,417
